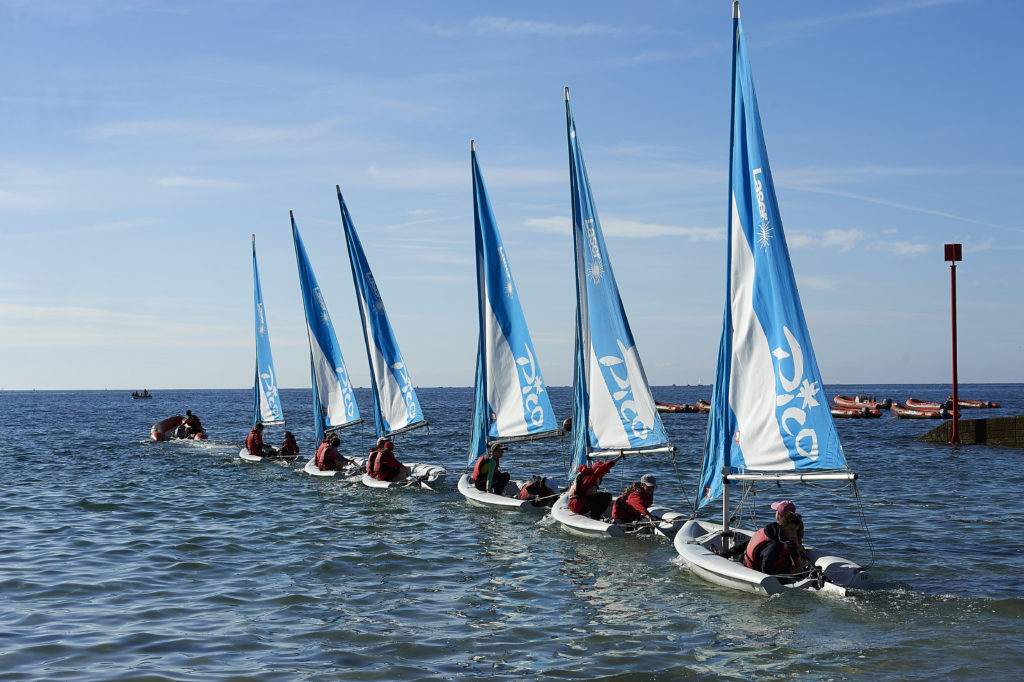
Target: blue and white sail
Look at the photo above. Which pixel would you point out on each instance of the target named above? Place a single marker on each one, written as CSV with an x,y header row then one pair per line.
x,y
769,412
334,402
612,404
266,401
511,401
395,405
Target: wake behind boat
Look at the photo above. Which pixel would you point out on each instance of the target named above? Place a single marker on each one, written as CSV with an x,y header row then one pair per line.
x,y
613,410
759,437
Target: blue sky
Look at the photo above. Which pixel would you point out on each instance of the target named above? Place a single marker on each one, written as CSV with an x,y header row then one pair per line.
x,y
143,141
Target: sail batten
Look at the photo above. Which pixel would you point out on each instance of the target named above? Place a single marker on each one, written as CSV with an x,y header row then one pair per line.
x,y
765,343
396,409
266,399
511,401
334,404
612,404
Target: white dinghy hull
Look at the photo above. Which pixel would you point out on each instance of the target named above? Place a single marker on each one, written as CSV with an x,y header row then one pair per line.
x,y
425,475
668,524
244,454
349,472
694,543
479,498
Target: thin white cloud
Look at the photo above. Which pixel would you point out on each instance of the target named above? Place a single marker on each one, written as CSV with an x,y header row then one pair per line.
x,y
209,132
984,246
197,183
844,239
616,227
816,282
422,211
492,25
881,11
903,248
28,326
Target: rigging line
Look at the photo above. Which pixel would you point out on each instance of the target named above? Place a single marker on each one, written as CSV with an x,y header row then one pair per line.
x,y
682,488
864,525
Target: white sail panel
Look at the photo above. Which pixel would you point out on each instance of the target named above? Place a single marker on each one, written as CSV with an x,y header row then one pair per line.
x,y
505,397
333,388
394,409
756,440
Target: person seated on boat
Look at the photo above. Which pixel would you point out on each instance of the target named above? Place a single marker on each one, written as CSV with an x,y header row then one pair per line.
x,y
254,443
192,424
383,466
538,492
486,468
328,458
584,497
776,548
787,506
289,448
633,504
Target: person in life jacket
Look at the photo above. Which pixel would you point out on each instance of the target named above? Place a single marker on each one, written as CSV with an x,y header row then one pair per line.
x,y
633,504
289,448
328,458
775,549
382,464
192,424
787,506
486,469
254,443
584,497
538,492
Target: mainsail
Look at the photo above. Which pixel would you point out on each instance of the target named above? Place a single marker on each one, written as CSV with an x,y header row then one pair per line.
x,y
334,403
511,399
768,411
395,406
612,405
266,402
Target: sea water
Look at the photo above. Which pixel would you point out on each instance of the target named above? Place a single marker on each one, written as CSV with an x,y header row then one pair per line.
x,y
125,559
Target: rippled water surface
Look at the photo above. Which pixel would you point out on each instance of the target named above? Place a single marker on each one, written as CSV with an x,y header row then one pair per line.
x,y
125,559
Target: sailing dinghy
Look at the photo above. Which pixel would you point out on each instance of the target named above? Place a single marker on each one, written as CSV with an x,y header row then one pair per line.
x,y
511,402
396,409
613,410
770,421
334,401
266,401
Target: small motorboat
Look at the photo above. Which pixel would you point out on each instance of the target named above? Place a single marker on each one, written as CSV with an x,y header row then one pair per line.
x,y
862,400
864,412
963,402
907,412
703,406
916,404
675,408
167,429
145,394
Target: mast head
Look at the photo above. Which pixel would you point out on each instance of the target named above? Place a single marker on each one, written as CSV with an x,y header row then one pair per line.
x,y
291,215
337,188
566,93
254,239
472,145
736,9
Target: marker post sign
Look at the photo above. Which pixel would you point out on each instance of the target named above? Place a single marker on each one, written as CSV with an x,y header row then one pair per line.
x,y
954,252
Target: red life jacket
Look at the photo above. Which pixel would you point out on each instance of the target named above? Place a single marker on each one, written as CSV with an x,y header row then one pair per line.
x,y
289,447
534,488
480,470
752,560
254,443
320,452
628,505
373,464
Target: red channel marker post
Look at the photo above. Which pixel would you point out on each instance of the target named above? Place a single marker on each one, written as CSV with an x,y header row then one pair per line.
x,y
953,254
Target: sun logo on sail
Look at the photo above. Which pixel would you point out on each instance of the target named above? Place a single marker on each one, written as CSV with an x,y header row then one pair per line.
x,y
378,302
595,270
764,235
262,329
323,306
510,288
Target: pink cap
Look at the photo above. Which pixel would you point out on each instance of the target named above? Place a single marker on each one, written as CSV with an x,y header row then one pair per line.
x,y
784,506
